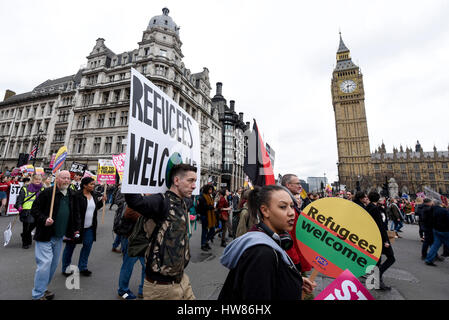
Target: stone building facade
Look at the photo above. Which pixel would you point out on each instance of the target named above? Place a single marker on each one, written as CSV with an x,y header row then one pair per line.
x,y
233,141
412,169
357,166
88,111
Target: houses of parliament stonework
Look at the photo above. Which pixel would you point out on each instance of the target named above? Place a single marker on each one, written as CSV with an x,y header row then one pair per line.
x,y
413,169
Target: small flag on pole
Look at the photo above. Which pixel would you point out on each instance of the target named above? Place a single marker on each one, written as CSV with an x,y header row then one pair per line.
x,y
33,152
60,158
257,165
303,193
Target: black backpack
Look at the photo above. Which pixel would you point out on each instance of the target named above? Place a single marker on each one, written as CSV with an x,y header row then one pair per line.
x,y
122,226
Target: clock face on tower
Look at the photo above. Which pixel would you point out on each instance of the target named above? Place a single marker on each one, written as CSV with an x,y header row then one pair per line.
x,y
348,86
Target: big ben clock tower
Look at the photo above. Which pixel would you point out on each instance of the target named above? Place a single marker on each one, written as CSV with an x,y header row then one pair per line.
x,y
348,99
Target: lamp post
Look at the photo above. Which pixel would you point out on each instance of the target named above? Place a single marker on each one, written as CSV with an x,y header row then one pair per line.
x,y
37,145
338,185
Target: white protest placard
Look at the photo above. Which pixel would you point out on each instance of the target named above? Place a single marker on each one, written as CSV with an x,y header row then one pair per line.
x,y
160,134
14,190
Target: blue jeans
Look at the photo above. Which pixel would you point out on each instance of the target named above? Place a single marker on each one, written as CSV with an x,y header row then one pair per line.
x,y
47,258
88,240
398,225
439,238
204,230
127,269
117,241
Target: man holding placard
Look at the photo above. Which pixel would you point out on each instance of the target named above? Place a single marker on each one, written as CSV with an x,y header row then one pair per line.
x,y
168,253
55,218
163,152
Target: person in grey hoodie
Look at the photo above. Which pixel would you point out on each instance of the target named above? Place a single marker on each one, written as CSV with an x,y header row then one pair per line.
x,y
260,269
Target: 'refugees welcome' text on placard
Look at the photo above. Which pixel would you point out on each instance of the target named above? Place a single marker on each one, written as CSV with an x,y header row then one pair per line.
x,y
160,134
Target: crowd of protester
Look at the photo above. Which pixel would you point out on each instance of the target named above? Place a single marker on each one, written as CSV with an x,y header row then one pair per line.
x,y
256,226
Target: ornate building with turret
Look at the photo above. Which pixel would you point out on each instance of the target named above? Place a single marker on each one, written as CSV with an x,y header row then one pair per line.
x,y
357,166
88,111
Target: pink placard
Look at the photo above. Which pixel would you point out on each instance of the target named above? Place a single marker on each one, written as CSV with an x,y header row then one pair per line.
x,y
345,287
119,163
52,161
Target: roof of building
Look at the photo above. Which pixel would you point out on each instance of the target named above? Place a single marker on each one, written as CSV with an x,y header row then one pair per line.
x,y
52,83
18,97
164,21
46,87
345,65
101,48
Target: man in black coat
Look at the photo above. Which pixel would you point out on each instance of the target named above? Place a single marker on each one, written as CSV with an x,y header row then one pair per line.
x,y
387,250
426,217
440,231
50,231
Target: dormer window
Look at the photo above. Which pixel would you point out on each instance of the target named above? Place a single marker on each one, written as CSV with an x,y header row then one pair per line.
x,y
154,21
166,22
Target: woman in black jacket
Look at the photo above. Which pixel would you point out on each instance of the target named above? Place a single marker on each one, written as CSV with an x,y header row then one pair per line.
x,y
260,269
86,204
374,210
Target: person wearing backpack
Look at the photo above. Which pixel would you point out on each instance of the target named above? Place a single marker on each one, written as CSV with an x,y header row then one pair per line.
x,y
168,252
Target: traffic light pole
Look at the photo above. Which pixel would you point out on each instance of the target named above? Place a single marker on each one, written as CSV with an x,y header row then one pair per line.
x,y
37,146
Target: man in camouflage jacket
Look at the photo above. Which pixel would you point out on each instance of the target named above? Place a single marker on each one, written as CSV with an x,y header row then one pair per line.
x,y
168,252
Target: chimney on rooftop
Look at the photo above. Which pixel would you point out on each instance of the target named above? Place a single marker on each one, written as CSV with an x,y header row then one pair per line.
x,y
8,94
219,87
232,102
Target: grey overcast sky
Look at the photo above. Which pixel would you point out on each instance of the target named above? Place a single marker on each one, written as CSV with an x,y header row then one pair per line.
x,y
274,58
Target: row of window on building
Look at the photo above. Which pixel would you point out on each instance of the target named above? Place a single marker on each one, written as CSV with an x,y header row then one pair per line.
x,y
28,112
417,175
26,128
125,58
416,166
79,145
84,120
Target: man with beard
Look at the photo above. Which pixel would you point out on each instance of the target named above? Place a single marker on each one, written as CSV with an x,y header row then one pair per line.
x,y
50,231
